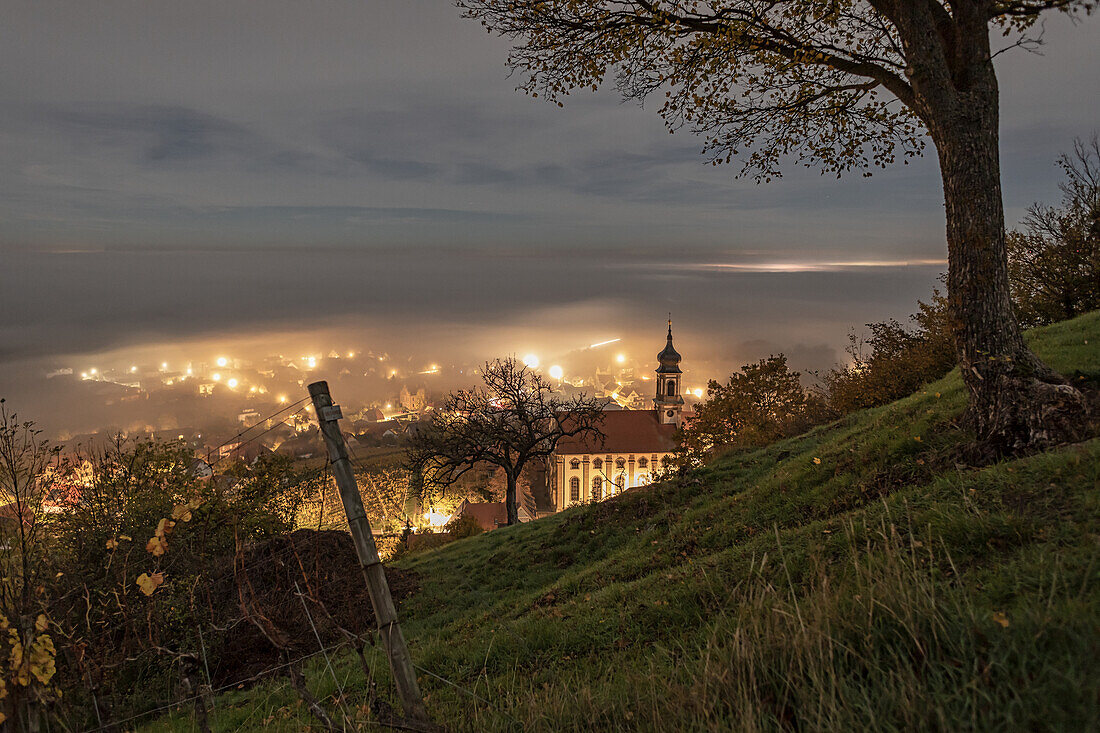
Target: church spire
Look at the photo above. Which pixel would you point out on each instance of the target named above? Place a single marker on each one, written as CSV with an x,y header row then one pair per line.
x,y
668,401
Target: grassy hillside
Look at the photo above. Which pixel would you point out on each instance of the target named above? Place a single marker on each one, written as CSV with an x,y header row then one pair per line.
x,y
860,575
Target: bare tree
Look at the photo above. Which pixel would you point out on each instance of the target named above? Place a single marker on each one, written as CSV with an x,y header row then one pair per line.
x,y
514,419
840,85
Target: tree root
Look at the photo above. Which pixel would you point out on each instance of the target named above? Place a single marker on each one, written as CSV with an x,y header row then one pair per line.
x,y
1029,413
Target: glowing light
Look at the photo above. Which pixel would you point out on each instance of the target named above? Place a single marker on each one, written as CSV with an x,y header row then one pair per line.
x,y
222,361
232,383
133,369
436,519
189,370
282,398
531,361
389,406
604,343
216,377
557,372
84,375
251,389
312,362
164,365
393,372
620,358
697,392
92,370
351,354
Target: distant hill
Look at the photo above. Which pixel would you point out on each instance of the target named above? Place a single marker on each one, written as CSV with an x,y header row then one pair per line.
x,y
860,576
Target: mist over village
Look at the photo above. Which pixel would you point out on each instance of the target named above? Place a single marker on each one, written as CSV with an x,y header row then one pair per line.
x,y
503,366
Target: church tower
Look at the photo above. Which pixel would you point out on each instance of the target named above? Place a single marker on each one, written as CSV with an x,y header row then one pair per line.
x,y
669,403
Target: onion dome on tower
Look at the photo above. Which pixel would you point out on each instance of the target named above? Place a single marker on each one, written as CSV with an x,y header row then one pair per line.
x,y
668,402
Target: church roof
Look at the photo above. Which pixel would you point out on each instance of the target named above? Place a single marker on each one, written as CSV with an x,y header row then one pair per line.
x,y
625,431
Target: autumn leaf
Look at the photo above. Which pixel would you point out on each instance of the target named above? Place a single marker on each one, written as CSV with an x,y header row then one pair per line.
x,y
42,658
181,512
1001,618
917,438
124,538
164,527
149,583
41,623
194,503
156,545
817,461
112,543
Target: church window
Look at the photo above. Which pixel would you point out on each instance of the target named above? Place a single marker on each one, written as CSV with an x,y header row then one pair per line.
x,y
670,388
597,464
597,488
642,462
575,463
620,463
574,489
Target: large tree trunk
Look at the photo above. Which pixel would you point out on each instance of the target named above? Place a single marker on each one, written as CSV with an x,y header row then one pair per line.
x,y
510,499
1016,401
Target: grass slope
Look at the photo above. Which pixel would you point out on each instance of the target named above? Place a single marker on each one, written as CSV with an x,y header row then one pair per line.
x,y
856,576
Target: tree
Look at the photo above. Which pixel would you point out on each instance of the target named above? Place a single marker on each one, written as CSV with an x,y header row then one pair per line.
x,y
1054,260
839,84
27,652
760,404
899,360
512,420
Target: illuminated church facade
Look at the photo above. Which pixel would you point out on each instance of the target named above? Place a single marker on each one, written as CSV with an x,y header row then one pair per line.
x,y
635,446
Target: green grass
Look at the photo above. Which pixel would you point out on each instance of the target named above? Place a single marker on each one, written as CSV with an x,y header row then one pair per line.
x,y
858,576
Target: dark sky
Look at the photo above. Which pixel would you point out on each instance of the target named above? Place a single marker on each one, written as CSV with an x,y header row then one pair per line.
x,y
202,171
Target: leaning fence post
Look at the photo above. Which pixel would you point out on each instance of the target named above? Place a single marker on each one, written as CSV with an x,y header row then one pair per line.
x,y
393,640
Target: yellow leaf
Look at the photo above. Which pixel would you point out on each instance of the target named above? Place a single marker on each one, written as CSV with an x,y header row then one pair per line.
x,y
41,623
112,543
817,461
181,512
916,438
125,537
43,663
149,583
164,527
1001,618
156,545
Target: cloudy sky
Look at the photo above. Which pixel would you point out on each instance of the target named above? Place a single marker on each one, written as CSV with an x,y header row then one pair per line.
x,y
196,170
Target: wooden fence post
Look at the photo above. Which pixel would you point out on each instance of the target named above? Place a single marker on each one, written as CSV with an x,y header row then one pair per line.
x,y
393,640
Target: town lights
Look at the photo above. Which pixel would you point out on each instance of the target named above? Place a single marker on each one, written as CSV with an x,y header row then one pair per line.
x,y
556,372
697,392
282,398
620,358
232,383
133,369
222,361
531,361
216,377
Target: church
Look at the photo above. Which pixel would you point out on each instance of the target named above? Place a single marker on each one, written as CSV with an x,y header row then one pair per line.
x,y
635,444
